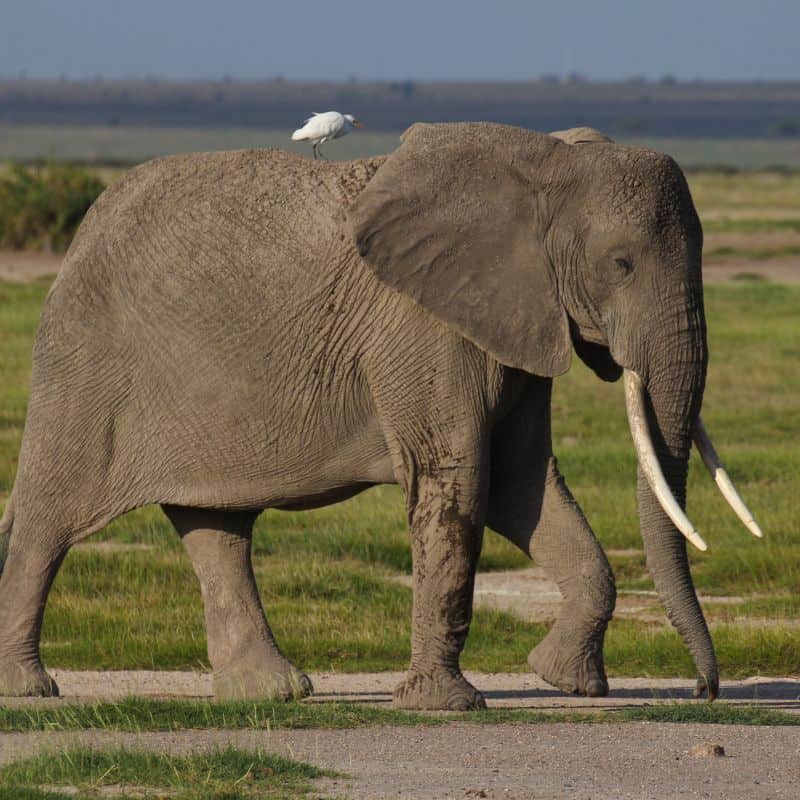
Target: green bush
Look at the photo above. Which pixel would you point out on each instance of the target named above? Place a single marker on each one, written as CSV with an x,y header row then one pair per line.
x,y
41,207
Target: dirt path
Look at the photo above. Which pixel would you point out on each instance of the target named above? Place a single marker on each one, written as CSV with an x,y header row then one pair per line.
x,y
467,760
530,595
502,690
26,267
779,270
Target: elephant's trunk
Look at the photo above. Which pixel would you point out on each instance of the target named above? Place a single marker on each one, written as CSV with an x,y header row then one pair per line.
x,y
671,404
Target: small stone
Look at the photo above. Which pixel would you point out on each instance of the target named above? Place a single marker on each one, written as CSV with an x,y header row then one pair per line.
x,y
708,750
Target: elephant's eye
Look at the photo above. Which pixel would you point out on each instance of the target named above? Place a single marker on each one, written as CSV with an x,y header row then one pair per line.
x,y
625,266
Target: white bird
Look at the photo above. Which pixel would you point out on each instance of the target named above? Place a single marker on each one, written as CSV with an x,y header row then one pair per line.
x,y
319,128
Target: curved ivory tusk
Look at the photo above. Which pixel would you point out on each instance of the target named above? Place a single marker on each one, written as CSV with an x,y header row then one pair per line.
x,y
648,460
722,479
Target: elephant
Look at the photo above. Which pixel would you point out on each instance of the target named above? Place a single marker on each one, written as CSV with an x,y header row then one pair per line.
x,y
237,331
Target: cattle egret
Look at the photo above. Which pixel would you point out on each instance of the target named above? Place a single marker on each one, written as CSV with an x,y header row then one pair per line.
x,y
319,128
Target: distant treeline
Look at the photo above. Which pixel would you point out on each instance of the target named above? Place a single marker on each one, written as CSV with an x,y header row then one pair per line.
x,y
628,108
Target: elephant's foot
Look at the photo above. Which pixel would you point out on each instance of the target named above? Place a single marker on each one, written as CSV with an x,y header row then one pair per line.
x,y
707,684
574,672
267,679
26,680
438,690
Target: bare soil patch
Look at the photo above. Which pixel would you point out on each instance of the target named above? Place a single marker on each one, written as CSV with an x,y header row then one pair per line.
x,y
530,595
777,270
25,267
501,689
509,761
751,240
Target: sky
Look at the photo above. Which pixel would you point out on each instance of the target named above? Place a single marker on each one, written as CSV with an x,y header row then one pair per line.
x,y
401,39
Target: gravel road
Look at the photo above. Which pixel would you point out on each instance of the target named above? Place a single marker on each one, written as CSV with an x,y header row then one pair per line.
x,y
466,760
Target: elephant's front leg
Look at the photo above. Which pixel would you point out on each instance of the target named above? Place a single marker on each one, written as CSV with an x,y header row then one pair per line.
x,y
446,533
571,655
246,660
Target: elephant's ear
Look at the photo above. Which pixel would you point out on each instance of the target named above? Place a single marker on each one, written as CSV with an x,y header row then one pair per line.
x,y
456,220
581,135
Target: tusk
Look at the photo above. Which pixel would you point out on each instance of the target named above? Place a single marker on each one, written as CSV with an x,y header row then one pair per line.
x,y
722,479
648,460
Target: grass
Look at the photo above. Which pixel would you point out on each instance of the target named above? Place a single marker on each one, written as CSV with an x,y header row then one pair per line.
x,y
748,216
745,225
321,570
747,197
726,253
230,774
751,277
141,715
41,208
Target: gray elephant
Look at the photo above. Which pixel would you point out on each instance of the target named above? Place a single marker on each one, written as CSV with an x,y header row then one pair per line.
x,y
238,331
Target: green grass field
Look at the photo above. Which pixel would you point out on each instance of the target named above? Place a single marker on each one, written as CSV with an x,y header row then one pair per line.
x,y
228,773
139,607
144,714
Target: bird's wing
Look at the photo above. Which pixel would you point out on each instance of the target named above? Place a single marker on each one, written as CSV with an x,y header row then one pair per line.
x,y
320,127
328,123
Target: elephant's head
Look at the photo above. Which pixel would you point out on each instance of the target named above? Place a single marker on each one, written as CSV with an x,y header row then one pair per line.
x,y
531,245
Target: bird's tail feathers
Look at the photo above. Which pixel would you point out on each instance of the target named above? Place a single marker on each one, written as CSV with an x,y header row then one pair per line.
x,y
298,135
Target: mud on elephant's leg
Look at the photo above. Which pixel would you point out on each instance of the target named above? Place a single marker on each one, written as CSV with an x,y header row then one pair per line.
x,y
446,535
246,660
571,655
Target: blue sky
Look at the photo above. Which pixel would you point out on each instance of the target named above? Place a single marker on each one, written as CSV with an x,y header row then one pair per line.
x,y
419,39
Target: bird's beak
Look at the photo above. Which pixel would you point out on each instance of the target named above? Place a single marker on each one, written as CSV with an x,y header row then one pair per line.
x,y
358,124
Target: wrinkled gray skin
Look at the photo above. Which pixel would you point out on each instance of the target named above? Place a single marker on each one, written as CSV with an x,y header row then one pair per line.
x,y
247,330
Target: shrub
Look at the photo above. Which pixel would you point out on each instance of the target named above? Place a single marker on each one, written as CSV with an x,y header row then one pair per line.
x,y
42,207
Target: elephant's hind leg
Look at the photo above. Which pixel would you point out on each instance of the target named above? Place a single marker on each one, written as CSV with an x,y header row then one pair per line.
x,y
247,662
446,536
31,564
571,655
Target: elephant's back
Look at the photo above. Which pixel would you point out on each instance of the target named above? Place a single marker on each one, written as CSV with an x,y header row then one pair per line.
x,y
210,233
176,212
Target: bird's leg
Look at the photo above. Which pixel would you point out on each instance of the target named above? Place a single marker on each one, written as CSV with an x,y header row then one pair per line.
x,y
314,148
321,154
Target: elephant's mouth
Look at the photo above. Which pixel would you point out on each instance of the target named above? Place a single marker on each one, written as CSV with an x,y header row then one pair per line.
x,y
636,408
595,354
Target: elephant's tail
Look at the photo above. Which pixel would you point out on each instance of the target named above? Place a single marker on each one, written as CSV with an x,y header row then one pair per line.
x,y
6,524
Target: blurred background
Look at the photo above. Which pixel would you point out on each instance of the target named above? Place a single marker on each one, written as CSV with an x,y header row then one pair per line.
x,y
89,88
104,85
